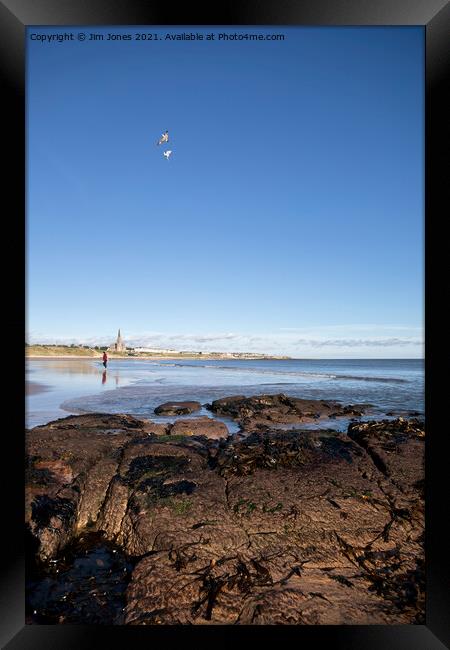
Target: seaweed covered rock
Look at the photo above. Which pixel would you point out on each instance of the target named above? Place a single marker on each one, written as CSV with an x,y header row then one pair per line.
x,y
70,463
177,408
268,411
261,450
199,427
325,542
281,527
396,448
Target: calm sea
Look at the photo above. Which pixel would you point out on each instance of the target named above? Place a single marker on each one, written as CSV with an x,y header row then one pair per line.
x,y
136,386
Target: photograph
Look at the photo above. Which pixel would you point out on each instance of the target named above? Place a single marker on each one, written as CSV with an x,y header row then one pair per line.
x,y
224,345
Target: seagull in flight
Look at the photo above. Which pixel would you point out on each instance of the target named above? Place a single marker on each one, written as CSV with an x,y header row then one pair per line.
x,y
164,137
167,153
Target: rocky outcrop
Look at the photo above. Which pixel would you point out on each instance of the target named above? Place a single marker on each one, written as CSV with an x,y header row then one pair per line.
x,y
394,448
177,408
70,464
199,427
297,527
271,410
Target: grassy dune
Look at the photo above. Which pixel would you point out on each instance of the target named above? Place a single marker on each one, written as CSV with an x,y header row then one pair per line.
x,y
60,350
80,351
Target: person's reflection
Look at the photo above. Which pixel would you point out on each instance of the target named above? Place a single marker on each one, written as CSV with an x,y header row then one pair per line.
x,y
117,380
104,377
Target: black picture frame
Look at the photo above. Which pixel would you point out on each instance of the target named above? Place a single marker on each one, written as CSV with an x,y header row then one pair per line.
x,y
15,16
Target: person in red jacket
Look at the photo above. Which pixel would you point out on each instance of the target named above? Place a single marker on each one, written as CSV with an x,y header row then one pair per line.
x,y
105,359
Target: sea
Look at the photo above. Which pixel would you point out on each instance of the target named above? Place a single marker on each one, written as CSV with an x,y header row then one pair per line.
x,y
392,387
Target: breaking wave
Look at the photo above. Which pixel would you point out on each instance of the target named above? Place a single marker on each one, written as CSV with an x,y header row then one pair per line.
x,y
290,373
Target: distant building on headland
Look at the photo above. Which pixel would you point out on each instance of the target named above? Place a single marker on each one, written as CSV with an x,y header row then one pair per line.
x,y
118,346
157,350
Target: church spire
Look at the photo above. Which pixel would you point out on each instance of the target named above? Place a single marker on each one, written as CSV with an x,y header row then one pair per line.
x,y
119,345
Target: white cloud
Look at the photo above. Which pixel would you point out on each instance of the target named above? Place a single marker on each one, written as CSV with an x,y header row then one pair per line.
x,y
280,343
351,343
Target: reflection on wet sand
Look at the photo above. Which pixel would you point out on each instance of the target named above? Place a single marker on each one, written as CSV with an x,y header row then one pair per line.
x,y
104,376
70,366
33,388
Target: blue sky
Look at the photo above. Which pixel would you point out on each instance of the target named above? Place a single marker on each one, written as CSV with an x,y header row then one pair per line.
x,y
289,218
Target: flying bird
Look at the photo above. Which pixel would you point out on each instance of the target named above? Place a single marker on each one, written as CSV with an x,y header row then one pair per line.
x,y
164,137
167,154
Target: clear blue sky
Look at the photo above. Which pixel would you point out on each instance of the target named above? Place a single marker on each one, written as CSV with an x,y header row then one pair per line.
x,y
291,210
